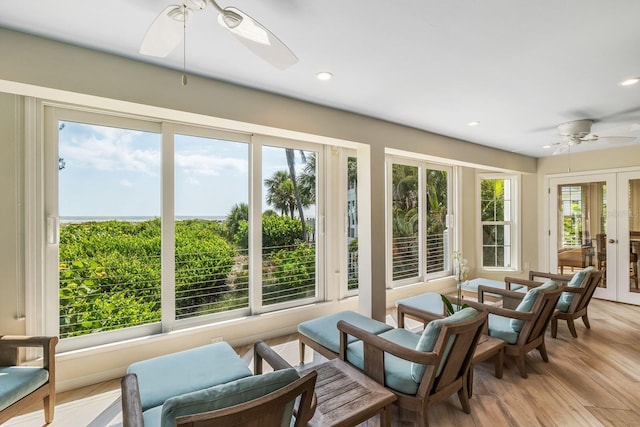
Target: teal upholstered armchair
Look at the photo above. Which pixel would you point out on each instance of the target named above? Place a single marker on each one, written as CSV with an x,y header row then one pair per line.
x,y
523,328
21,386
420,369
211,385
574,301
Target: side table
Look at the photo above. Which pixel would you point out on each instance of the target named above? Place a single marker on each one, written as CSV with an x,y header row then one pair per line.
x,y
347,397
487,348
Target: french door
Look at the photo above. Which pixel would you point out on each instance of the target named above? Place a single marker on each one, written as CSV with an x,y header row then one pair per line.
x,y
595,222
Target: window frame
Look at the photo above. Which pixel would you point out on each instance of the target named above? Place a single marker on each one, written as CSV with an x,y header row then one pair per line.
x,y
42,194
423,166
514,223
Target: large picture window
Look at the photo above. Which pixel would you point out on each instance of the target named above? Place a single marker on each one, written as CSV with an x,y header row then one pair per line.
x,y
155,225
498,221
419,226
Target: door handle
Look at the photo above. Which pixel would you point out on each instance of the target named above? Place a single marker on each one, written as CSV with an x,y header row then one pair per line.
x,y
613,241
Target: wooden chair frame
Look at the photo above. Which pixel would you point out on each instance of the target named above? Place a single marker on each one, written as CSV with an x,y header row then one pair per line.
x,y
580,303
536,321
455,372
9,356
266,411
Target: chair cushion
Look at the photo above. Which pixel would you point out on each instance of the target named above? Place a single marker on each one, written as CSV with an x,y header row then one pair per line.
x,y
324,330
429,301
575,282
397,371
430,336
529,300
500,327
178,373
18,381
221,396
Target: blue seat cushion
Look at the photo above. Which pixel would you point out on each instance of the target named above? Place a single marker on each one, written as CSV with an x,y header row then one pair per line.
x,y
18,381
397,372
430,336
429,301
500,327
221,396
324,330
576,281
178,373
529,300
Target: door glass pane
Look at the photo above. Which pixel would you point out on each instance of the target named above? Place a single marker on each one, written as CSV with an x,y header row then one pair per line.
x,y
109,205
634,234
211,228
352,223
405,221
582,214
288,225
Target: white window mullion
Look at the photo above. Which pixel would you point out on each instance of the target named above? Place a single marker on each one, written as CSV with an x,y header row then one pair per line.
x,y
168,282
255,226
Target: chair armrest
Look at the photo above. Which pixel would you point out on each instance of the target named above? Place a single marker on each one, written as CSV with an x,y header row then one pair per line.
x,y
381,344
553,276
10,343
263,352
503,292
422,315
131,404
519,281
504,312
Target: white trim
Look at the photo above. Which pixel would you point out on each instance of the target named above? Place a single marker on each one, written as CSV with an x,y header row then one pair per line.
x,y
168,229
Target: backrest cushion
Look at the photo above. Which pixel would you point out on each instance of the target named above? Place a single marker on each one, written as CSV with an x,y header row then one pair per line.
x,y
575,282
529,300
430,336
229,394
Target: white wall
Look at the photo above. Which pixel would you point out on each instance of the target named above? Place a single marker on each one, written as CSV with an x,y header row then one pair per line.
x,y
50,70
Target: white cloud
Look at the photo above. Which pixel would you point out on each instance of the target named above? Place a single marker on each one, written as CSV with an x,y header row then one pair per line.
x,y
126,183
209,165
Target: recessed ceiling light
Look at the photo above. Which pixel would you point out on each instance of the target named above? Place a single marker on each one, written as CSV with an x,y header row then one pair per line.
x,y
629,81
324,75
474,123
546,146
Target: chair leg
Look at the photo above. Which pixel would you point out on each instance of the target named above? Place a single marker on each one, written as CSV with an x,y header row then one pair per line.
x,y
499,367
522,365
463,395
585,320
554,327
572,327
49,407
543,352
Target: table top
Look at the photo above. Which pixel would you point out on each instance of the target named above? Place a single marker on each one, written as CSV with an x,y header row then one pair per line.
x,y
346,396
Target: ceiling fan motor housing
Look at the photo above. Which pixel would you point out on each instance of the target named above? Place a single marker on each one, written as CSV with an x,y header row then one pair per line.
x,y
575,129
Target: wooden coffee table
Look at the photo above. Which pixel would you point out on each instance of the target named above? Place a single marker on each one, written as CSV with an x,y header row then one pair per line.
x,y
487,348
347,397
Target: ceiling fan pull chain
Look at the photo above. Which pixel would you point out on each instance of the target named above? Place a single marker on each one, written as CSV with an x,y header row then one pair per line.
x,y
184,47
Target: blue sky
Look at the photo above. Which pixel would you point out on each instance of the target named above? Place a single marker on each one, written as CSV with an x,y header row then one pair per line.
x,y
116,172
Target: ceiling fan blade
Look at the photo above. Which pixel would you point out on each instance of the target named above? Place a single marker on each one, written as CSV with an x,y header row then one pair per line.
x,y
165,33
561,149
617,139
257,38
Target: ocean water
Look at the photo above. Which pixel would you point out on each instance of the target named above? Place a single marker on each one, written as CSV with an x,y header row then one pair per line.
x,y
76,219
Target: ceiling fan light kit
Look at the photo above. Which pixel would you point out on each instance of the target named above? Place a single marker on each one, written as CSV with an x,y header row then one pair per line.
x,y
166,32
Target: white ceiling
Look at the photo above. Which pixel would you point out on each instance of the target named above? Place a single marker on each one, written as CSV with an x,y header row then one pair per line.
x,y
519,67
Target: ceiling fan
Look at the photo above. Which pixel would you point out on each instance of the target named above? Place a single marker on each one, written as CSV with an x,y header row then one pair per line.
x,y
578,132
167,31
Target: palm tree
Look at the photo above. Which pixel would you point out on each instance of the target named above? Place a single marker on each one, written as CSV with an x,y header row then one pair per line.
x,y
280,192
239,212
296,192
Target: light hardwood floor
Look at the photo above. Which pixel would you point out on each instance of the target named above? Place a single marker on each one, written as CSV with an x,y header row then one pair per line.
x,y
593,380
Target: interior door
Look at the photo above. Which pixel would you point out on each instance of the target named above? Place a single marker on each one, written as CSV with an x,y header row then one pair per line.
x,y
628,239
582,227
596,221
